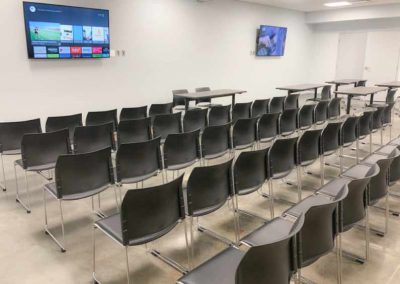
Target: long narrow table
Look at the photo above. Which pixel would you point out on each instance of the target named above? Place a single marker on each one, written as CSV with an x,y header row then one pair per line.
x,y
209,95
343,82
360,91
390,85
302,88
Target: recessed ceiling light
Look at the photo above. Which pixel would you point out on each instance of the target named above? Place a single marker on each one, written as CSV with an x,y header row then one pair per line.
x,y
338,4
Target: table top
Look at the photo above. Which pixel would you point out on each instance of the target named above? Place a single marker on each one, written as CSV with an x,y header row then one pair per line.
x,y
361,91
395,84
301,87
344,81
211,94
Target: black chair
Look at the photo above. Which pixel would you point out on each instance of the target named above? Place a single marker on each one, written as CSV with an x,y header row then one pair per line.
x,y
325,94
276,104
78,177
137,162
288,122
208,189
365,126
259,107
306,116
349,134
157,109
93,138
321,112
219,115
178,102
146,215
241,111
56,123
361,83
216,141
268,127
134,130
330,144
387,118
292,101
377,119
165,124
334,108
195,119
133,113
203,102
39,152
102,117
244,133
11,134
270,259
181,150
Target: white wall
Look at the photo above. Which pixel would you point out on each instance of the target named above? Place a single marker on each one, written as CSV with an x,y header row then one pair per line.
x,y
170,44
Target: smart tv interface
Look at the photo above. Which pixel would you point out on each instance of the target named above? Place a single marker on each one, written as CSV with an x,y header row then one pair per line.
x,y
65,32
271,41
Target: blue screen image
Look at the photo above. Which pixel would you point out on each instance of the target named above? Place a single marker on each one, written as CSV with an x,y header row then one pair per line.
x,y
271,41
57,31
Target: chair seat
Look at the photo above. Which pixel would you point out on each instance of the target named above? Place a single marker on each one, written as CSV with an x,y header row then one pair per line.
x,y
249,190
12,152
38,168
138,178
221,269
52,188
112,226
181,166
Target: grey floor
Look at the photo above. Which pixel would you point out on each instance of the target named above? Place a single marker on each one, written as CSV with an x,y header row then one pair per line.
x,y
27,255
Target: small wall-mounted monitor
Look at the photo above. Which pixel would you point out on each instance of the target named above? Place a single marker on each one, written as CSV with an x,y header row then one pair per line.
x,y
65,32
271,41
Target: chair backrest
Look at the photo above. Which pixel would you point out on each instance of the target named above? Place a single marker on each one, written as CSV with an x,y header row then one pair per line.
x,y
392,151
157,109
308,146
176,100
195,119
219,115
268,126
306,116
361,83
216,140
133,113
334,108
138,161
377,117
93,138
203,100
292,101
41,149
102,117
387,113
259,107
149,213
69,122
11,133
283,156
349,130
390,97
330,138
365,123
250,171
241,111
208,188
326,92
244,132
134,130
83,175
395,166
288,121
276,104
165,124
182,150
321,112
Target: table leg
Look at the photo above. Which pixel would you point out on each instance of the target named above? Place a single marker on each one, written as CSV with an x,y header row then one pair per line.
x,y
186,104
349,97
315,93
233,100
371,100
336,89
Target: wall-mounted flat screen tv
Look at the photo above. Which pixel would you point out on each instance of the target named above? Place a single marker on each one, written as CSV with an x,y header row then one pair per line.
x,y
271,41
65,32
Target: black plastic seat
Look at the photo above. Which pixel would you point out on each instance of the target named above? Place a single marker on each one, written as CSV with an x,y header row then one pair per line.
x,y
309,147
56,123
361,83
129,113
349,134
102,117
157,109
178,102
321,112
146,215
136,162
292,101
241,111
268,127
276,104
244,133
334,108
165,124
330,143
259,107
395,166
93,138
195,119
134,130
387,118
325,94
216,141
288,121
219,115
181,150
306,116
204,102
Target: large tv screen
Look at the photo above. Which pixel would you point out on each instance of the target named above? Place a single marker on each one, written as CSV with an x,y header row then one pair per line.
x,y
271,41
55,31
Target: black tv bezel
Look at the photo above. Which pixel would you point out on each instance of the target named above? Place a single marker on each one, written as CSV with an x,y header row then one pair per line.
x,y
27,33
258,39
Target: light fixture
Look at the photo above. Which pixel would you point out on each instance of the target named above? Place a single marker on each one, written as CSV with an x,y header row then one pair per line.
x,y
338,4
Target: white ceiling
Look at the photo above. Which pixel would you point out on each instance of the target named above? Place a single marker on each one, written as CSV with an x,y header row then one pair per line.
x,y
316,5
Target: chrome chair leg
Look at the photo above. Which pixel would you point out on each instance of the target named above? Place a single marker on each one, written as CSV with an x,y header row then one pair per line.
x,y
191,238
299,185
46,228
387,213
370,143
189,259
3,186
367,233
97,212
18,199
358,151
339,258
235,220
271,198
341,159
381,131
322,169
94,256
127,266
